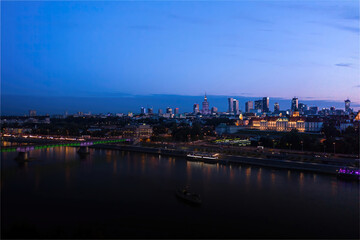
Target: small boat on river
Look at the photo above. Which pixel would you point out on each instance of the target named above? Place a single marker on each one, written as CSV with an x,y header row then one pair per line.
x,y
187,196
349,173
203,157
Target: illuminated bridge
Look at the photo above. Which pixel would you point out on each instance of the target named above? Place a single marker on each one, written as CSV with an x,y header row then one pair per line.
x,y
73,144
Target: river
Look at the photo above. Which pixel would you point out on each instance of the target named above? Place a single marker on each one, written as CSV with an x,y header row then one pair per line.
x,y
114,194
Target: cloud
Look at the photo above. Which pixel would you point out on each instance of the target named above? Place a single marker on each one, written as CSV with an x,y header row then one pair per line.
x,y
347,28
357,86
343,64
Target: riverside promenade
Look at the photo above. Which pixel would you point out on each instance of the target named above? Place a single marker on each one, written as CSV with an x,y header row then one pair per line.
x,y
233,159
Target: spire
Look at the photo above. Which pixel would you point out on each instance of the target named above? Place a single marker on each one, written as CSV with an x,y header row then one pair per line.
x,y
205,98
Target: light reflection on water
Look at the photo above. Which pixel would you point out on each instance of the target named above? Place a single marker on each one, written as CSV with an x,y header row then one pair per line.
x,y
104,177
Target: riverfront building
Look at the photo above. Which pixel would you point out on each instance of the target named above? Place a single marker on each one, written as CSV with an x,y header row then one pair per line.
x,y
284,124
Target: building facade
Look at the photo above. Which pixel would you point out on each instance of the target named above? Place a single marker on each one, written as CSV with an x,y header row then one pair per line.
x,y
248,106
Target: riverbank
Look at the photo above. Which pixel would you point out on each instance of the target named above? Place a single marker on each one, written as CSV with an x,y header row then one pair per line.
x,y
231,159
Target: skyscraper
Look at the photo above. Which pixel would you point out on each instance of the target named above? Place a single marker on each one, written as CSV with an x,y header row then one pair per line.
x,y
160,111
276,107
230,103
236,106
205,106
143,110
258,104
248,106
169,110
176,111
347,105
150,111
303,107
294,104
265,104
196,108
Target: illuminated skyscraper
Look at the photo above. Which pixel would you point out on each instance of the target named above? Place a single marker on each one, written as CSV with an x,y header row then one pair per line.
x,y
303,107
168,110
265,104
295,104
176,111
347,105
196,108
258,104
143,110
160,111
230,102
276,107
235,106
205,106
248,106
150,111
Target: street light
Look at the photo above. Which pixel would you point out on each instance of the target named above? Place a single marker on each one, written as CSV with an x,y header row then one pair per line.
x,y
334,147
302,146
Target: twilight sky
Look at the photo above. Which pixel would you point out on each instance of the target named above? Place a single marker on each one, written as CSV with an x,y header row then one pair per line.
x,y
308,49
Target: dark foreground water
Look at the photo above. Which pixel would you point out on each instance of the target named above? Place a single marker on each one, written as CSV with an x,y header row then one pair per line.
x,y
113,194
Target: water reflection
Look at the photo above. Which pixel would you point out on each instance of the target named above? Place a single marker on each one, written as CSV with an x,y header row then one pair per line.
x,y
301,181
273,178
115,166
258,178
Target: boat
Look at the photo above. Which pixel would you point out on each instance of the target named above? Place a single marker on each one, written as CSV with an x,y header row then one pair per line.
x,y
203,157
348,173
187,196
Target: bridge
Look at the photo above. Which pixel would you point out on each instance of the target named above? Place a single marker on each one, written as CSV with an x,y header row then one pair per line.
x,y
72,144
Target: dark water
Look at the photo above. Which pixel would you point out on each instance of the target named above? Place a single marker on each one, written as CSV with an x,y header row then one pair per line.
x,y
117,194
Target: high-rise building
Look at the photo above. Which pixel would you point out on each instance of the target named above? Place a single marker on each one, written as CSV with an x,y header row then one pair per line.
x,y
214,110
314,110
176,111
248,106
230,102
347,105
265,104
303,107
143,110
295,104
32,113
236,106
168,110
258,104
196,108
276,107
160,111
205,106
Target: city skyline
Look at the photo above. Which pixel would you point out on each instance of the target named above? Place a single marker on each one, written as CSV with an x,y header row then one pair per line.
x,y
102,48
20,105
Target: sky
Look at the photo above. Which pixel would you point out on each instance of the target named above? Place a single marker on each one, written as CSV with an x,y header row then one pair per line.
x,y
280,49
